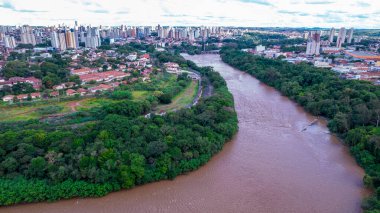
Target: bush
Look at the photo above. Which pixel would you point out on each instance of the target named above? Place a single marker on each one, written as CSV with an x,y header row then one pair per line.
x,y
49,110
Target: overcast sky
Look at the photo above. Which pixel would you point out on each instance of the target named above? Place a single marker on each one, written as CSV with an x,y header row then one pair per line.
x,y
253,13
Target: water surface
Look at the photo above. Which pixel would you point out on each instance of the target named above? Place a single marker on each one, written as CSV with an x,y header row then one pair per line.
x,y
271,165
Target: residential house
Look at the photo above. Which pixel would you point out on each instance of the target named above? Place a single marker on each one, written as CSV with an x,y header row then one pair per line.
x,y
83,71
101,87
103,76
71,92
82,91
8,98
171,67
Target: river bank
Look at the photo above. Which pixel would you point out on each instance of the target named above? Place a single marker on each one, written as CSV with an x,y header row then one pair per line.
x,y
269,166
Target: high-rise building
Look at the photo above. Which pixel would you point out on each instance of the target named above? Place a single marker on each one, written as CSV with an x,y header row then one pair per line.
x,y
350,34
9,42
331,35
70,39
62,41
27,36
54,39
191,35
341,37
2,35
147,31
313,43
92,39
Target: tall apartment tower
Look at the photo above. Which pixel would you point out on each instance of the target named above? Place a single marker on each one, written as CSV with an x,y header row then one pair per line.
x,y
62,41
341,37
313,43
331,35
27,36
350,34
9,42
70,40
54,40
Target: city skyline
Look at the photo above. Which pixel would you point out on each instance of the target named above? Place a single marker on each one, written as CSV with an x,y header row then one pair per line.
x,y
245,13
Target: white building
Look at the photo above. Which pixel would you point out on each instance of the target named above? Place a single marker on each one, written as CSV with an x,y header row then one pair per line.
x,y
28,38
55,40
62,41
313,43
9,42
350,34
341,37
331,35
260,48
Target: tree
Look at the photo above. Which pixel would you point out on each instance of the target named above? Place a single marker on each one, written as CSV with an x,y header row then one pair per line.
x,y
16,68
37,167
9,165
50,80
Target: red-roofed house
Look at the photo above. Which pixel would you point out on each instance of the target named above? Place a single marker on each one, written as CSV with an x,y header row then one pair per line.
x,y
101,87
103,76
71,92
54,94
146,55
82,91
83,71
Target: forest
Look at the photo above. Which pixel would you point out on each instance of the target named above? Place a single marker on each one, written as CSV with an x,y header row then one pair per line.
x,y
352,107
112,146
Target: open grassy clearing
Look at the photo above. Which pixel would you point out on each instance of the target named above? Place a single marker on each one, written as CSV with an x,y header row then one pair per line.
x,y
17,113
181,100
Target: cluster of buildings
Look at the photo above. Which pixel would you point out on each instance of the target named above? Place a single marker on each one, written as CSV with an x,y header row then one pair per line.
x,y
93,79
314,40
35,82
62,38
325,49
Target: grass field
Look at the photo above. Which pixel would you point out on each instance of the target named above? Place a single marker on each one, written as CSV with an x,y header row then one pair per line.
x,y
139,95
17,113
182,99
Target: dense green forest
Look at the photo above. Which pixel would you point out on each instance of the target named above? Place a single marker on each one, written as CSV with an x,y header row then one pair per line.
x,y
112,147
353,107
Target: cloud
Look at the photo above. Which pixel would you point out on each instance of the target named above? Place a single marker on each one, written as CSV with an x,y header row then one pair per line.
x,y
319,2
360,16
250,13
262,2
363,4
10,6
293,13
99,11
7,5
31,11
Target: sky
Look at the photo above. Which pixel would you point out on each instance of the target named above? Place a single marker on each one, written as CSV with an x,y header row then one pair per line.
x,y
245,13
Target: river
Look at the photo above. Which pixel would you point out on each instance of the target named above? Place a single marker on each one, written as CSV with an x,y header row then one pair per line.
x,y
271,165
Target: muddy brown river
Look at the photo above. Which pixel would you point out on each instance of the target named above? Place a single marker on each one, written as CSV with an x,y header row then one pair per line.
x,y
271,165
